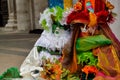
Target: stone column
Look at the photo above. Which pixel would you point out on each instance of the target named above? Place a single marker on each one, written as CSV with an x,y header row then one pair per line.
x,y
12,24
32,14
23,15
39,6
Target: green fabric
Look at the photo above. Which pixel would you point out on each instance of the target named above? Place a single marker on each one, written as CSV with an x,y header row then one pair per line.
x,y
86,58
39,48
55,25
90,42
12,72
66,75
59,13
56,15
45,27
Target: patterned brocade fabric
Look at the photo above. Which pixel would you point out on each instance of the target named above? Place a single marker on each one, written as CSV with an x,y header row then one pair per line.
x,y
62,3
53,3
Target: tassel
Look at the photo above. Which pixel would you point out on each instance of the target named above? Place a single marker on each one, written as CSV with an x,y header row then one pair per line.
x,y
93,20
73,68
71,64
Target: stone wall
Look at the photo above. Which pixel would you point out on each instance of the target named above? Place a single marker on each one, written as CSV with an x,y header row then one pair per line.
x,y
116,25
28,14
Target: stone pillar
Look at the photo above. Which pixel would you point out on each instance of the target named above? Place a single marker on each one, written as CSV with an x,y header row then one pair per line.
x,y
32,14
39,6
23,15
12,24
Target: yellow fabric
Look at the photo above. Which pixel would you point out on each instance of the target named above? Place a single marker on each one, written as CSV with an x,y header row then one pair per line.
x,y
93,20
67,4
108,60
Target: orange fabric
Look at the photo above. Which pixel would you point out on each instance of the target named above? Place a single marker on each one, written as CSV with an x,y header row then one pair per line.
x,y
93,3
73,66
108,60
57,69
69,58
89,69
93,20
108,33
95,51
104,77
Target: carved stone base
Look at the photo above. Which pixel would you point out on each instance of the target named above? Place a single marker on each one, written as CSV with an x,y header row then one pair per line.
x,y
12,24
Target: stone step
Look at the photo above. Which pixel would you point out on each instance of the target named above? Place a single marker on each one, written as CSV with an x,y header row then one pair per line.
x,y
14,48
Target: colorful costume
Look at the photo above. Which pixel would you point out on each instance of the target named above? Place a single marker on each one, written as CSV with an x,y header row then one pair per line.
x,y
76,43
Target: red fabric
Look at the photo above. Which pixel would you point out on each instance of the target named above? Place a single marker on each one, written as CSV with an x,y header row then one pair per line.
x,y
83,16
99,5
102,16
